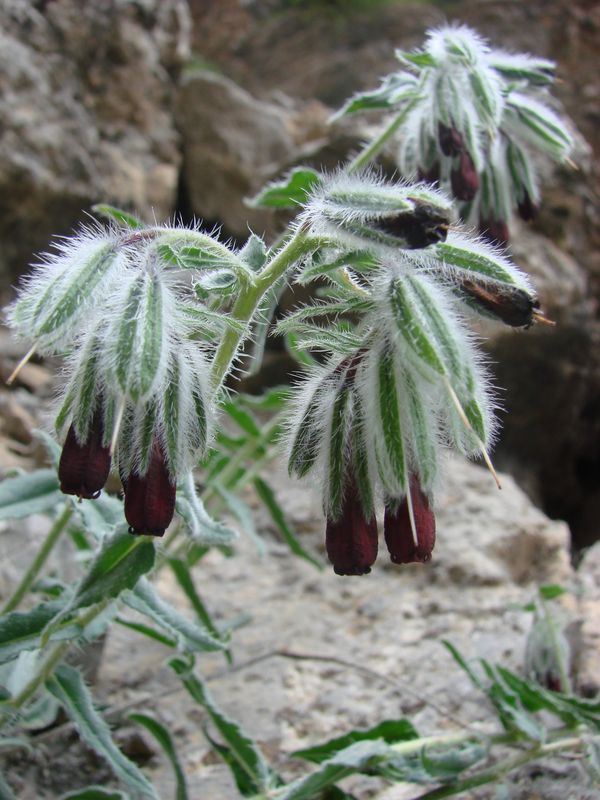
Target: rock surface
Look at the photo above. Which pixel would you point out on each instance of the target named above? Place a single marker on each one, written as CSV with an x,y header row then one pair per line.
x,y
86,115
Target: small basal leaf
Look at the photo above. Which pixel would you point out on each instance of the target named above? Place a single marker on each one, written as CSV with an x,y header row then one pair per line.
x,y
290,192
69,689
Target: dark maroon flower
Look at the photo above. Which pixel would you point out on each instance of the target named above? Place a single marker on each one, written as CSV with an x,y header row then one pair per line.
x,y
495,231
421,226
464,178
451,141
398,530
509,304
84,466
430,174
150,498
351,540
527,208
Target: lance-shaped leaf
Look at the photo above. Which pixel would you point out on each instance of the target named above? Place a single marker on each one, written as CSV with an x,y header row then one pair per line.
x,y
412,326
395,89
362,756
422,428
307,436
254,253
165,740
267,495
390,731
117,566
68,687
251,771
219,281
470,257
123,218
290,192
201,526
336,452
95,793
517,67
536,123
356,305
194,250
190,636
61,291
138,340
333,339
359,261
33,493
20,630
389,420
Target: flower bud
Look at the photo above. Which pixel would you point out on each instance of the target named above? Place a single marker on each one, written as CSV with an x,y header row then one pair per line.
x,y
84,466
351,540
451,141
464,178
417,228
398,529
527,208
150,498
509,304
495,231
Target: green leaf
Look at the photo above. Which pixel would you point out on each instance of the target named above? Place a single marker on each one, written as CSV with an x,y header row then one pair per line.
x,y
187,249
254,253
460,660
259,777
359,261
361,756
389,412
6,793
66,295
147,630
202,528
550,591
33,493
117,215
186,582
222,281
95,793
190,636
243,513
390,730
394,90
267,495
290,192
305,447
69,689
100,516
244,419
410,325
165,740
471,261
20,630
354,306
117,566
337,453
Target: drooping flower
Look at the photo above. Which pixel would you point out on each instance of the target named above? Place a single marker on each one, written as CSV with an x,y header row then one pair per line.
x,y
351,539
84,465
150,498
409,527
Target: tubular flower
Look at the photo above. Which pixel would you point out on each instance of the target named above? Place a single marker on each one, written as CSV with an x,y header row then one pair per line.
x,y
412,518
150,498
84,465
351,539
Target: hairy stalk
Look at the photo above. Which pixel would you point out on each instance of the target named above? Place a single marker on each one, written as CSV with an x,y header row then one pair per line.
x,y
38,562
372,150
249,299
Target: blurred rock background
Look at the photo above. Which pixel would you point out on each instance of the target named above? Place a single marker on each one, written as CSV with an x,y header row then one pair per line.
x,y
183,108
175,108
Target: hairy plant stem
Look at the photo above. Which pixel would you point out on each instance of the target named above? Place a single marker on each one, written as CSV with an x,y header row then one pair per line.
x,y
372,150
38,562
250,297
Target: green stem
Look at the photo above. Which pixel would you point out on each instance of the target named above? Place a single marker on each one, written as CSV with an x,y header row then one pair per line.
x,y
38,562
500,770
372,150
250,297
55,656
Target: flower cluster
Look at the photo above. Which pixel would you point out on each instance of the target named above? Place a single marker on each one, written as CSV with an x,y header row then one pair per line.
x,y
402,379
137,391
475,120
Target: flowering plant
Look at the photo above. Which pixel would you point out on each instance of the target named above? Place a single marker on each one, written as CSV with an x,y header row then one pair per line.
x,y
152,320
